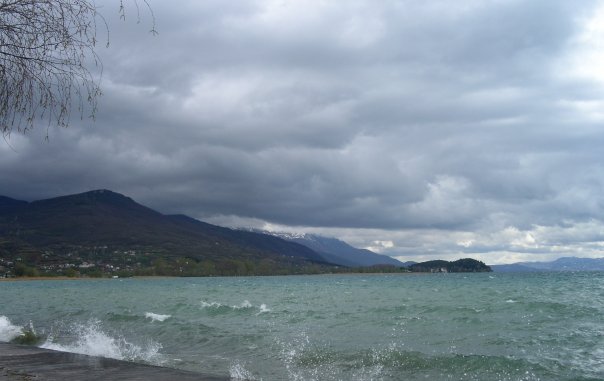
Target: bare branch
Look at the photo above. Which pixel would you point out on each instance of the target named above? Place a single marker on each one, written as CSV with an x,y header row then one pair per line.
x,y
46,47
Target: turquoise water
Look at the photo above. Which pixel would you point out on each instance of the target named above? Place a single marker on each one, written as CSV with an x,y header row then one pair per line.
x,y
546,326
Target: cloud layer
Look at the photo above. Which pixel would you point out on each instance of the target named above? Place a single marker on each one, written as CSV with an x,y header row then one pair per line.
x,y
416,128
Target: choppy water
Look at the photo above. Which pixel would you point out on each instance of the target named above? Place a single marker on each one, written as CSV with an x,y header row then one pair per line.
x,y
546,326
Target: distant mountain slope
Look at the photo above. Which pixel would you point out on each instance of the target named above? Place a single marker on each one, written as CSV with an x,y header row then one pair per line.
x,y
409,263
560,264
82,223
339,252
7,203
570,264
513,268
248,239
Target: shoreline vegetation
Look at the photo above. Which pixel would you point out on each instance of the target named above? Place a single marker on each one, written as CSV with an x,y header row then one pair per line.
x,y
466,265
153,277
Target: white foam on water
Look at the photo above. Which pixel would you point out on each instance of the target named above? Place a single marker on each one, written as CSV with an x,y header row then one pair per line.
x,y
238,372
8,331
263,309
156,317
290,352
205,304
90,339
295,347
245,304
510,301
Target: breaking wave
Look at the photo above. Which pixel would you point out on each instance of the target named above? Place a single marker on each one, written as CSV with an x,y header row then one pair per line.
x,y
90,339
8,331
156,317
307,360
218,308
205,304
263,308
245,304
238,372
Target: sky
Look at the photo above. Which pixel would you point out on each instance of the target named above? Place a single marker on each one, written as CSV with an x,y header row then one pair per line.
x,y
417,129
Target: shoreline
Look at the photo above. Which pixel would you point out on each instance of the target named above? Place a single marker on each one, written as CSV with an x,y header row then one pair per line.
x,y
38,278
28,363
34,278
152,277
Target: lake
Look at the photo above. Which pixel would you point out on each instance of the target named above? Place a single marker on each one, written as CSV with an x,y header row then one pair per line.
x,y
487,326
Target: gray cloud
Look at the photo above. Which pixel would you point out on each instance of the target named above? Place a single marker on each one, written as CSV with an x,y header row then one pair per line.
x,y
447,128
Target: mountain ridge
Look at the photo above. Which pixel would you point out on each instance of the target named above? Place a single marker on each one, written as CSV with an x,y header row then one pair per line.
x,y
339,252
101,233
110,224
560,264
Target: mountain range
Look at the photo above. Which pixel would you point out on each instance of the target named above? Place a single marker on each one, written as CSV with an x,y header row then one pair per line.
x,y
560,264
105,230
339,252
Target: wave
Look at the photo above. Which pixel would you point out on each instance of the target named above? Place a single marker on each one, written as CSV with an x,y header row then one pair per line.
x,y
238,372
211,304
122,317
9,331
263,309
306,358
90,339
330,364
245,304
156,317
217,308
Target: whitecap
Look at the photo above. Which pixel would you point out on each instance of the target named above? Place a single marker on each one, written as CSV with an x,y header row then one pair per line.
x,y
238,372
156,317
264,308
245,304
205,304
91,340
8,331
510,301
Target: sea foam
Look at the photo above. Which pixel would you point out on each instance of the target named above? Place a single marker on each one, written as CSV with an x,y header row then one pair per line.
x,y
8,331
244,306
156,317
238,372
205,304
90,339
263,309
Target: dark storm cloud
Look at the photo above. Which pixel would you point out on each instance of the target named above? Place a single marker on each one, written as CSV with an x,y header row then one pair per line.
x,y
409,119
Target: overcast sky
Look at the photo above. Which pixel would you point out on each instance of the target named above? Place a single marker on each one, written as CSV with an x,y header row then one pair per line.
x,y
419,129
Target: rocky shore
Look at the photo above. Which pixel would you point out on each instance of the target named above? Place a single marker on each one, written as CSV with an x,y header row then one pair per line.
x,y
25,363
